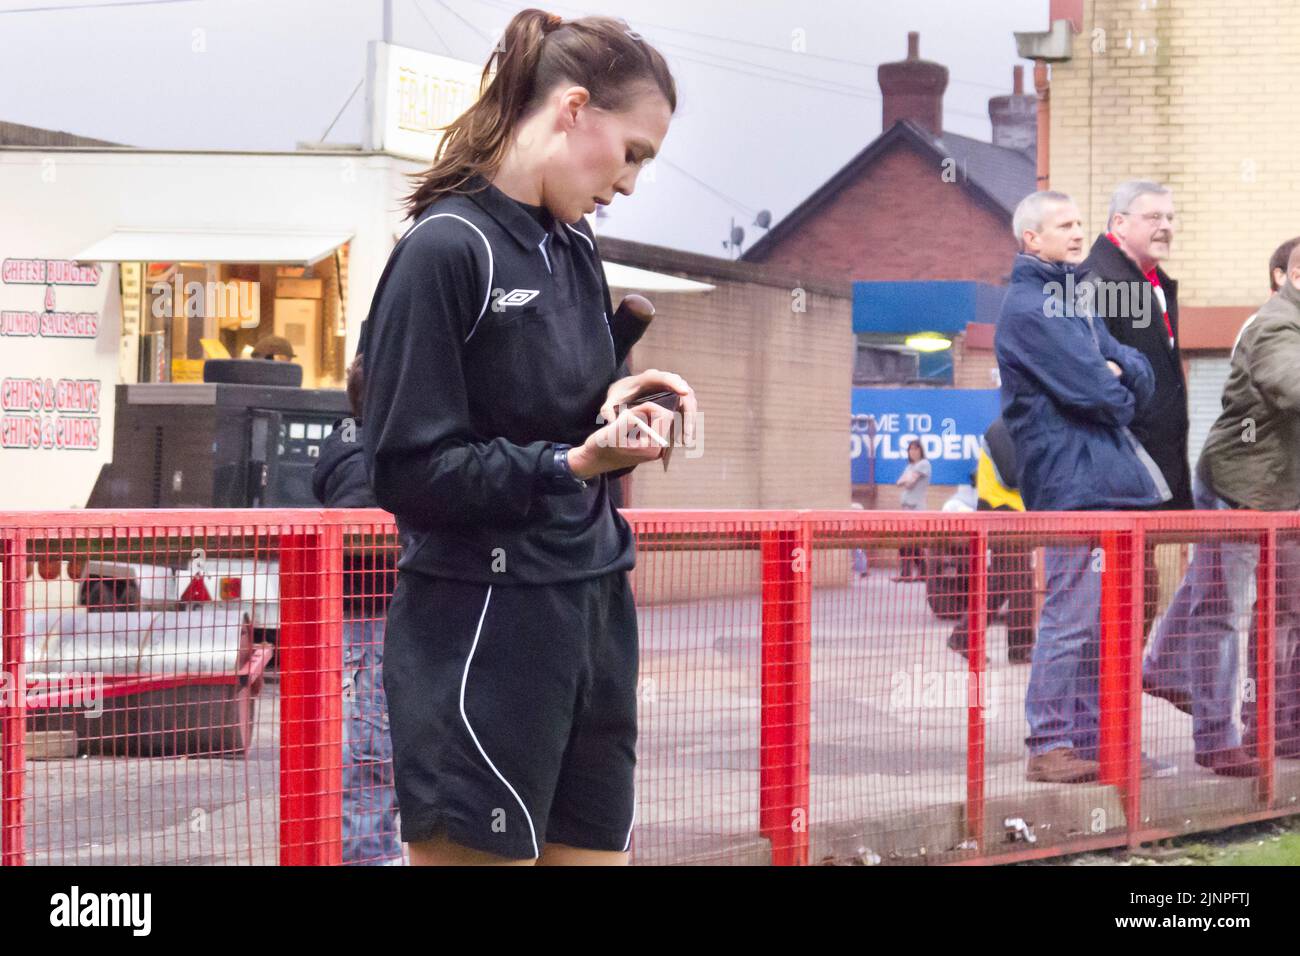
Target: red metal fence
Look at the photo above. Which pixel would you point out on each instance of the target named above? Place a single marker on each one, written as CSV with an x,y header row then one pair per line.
x,y
195,687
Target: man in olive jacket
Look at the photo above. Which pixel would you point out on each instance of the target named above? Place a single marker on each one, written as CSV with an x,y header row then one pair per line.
x,y
1250,460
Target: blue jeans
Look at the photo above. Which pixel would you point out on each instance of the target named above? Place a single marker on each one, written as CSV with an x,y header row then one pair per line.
x,y
1286,650
369,800
1061,703
1195,648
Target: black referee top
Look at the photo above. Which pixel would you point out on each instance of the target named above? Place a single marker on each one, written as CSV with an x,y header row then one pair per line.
x,y
489,342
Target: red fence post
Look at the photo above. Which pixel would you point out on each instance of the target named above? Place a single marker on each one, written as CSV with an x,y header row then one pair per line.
x,y
311,698
1121,596
1135,569
784,733
977,619
13,700
1265,644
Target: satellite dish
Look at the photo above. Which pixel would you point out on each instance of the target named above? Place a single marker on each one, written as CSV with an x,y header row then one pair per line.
x,y
737,236
764,219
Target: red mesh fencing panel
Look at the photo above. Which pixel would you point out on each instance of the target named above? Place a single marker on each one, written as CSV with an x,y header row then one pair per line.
x,y
881,687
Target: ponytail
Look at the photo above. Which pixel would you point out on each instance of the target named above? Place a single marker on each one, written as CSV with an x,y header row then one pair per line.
x,y
537,51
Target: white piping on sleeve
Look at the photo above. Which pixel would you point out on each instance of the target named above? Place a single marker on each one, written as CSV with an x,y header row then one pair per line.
x,y
463,680
487,297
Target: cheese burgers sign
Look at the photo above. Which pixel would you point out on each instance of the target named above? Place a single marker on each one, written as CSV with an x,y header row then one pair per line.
x,y
58,363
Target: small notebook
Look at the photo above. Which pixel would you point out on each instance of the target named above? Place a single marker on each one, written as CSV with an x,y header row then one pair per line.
x,y
668,400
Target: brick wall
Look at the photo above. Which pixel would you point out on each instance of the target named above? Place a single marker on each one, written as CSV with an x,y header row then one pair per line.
x,y
900,220
774,387
1210,112
972,367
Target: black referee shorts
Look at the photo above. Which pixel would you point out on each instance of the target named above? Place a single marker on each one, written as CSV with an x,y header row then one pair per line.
x,y
512,710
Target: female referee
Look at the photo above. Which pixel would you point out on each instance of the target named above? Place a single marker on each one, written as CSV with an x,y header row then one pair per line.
x,y
496,418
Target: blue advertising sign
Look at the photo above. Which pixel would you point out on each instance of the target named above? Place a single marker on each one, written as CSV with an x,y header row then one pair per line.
x,y
948,422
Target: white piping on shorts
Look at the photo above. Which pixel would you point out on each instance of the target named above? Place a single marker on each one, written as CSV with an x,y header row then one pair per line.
x,y
627,844
486,298
464,678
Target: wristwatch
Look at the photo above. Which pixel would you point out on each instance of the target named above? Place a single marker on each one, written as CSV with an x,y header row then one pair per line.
x,y
561,466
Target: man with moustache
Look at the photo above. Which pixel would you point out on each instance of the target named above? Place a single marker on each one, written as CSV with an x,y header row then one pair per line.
x,y
1139,304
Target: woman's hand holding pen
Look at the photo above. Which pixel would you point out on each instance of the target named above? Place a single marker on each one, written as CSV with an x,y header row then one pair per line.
x,y
651,380
638,434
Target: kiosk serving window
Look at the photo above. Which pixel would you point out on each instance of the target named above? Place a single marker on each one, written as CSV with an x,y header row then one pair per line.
x,y
226,294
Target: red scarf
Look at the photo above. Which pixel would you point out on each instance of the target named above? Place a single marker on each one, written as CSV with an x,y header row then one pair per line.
x,y
1154,279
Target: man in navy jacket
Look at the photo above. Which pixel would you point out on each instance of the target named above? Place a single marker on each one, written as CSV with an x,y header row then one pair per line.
x,y
1069,394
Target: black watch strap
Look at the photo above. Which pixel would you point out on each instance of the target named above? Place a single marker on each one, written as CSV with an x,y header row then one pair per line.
x,y
561,470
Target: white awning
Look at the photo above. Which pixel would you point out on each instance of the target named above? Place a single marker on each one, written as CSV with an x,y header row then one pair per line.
x,y
138,245
643,280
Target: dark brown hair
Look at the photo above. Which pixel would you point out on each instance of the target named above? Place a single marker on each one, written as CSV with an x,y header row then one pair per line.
x,y
356,386
915,443
537,51
1280,259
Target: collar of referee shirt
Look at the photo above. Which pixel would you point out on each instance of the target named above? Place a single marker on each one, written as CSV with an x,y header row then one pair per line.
x,y
514,219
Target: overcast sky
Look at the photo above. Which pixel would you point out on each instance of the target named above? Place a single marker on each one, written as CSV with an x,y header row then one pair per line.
x,y
758,125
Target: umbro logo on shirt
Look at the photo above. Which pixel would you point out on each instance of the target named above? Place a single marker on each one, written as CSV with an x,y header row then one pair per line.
x,y
515,297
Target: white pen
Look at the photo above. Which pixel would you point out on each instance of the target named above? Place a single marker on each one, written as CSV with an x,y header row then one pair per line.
x,y
663,442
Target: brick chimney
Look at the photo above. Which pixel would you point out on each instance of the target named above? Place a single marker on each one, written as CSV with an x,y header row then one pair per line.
x,y
913,89
1015,117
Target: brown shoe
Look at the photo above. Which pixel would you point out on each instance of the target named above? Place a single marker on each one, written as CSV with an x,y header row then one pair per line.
x,y
1230,762
1061,765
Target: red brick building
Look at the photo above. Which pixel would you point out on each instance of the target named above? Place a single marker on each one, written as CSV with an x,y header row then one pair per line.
x,y
916,202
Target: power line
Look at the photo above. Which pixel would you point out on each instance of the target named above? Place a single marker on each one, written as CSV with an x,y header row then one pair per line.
x,y
768,72
776,79
799,79
97,6
464,21
761,71
747,210
420,10
760,46
360,82
765,72
825,86
731,200
804,54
